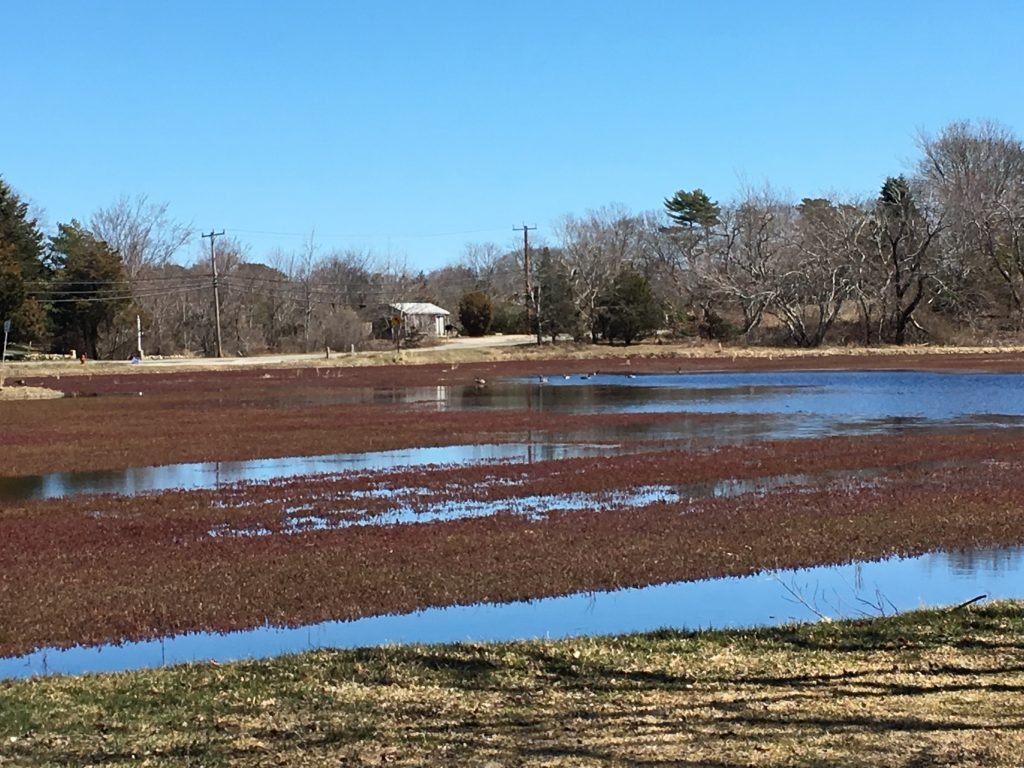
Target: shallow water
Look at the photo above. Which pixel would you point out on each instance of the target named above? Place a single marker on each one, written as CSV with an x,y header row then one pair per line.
x,y
761,406
839,397
766,599
213,474
301,519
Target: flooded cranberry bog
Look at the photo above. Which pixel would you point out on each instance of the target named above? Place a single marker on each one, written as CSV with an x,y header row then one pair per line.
x,y
158,517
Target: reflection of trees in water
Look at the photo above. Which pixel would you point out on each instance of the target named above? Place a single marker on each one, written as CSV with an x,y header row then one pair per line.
x,y
969,562
22,488
568,394
677,426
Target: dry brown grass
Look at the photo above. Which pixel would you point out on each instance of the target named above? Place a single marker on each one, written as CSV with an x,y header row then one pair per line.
x,y
926,689
17,392
452,353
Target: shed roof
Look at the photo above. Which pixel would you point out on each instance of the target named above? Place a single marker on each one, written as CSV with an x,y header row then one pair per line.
x,y
419,308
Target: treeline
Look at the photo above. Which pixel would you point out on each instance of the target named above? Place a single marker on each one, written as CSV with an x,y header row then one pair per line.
x,y
935,255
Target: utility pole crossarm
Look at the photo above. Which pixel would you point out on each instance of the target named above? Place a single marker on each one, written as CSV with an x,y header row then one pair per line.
x,y
216,290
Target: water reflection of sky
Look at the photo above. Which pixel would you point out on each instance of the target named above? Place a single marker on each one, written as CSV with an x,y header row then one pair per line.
x,y
212,474
766,599
405,508
844,395
764,406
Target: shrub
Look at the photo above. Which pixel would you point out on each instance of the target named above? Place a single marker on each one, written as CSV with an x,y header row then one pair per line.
x,y
476,313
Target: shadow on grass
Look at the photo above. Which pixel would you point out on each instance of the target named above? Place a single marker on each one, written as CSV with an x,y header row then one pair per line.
x,y
599,701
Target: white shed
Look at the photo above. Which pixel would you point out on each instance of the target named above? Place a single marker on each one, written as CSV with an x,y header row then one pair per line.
x,y
429,319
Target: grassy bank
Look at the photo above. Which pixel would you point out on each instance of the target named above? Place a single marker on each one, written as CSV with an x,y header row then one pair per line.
x,y
702,354
927,688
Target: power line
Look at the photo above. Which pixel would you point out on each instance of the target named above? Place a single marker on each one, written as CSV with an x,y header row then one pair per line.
x,y
125,280
98,296
100,287
111,290
315,298
318,295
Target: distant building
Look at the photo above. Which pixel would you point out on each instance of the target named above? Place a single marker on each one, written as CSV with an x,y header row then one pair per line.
x,y
419,317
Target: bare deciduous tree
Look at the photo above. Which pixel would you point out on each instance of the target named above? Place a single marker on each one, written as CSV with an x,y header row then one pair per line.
x,y
974,174
594,248
141,232
902,257
822,272
743,271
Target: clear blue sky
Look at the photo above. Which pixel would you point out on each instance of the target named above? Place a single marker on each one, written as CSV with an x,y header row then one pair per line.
x,y
416,127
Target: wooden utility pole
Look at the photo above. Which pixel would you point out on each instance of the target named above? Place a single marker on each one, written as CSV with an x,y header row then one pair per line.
x,y
526,273
536,306
3,357
216,290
